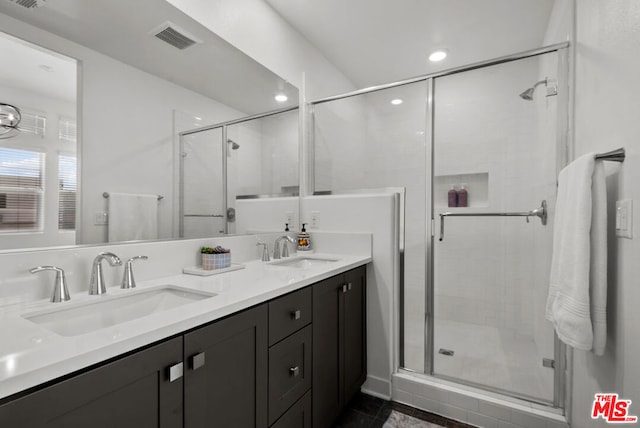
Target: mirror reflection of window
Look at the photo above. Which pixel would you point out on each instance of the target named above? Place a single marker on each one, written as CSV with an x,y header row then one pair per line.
x,y
21,190
38,168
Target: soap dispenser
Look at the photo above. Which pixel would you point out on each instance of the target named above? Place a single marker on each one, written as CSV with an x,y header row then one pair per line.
x,y
463,196
304,239
452,197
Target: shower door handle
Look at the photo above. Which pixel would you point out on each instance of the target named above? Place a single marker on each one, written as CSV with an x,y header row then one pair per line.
x,y
540,212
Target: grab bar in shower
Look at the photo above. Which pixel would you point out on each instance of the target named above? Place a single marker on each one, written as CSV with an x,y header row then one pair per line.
x,y
538,212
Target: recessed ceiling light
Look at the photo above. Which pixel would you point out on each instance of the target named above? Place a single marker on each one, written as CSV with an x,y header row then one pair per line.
x,y
438,55
396,102
281,98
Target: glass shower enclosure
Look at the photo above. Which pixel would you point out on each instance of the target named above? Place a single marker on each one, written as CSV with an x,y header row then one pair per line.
x,y
476,151
250,157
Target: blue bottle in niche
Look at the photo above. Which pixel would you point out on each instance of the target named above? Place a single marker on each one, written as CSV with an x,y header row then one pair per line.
x,y
452,197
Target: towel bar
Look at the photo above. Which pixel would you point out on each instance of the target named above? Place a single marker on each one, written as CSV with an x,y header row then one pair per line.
x,y
106,195
616,155
538,212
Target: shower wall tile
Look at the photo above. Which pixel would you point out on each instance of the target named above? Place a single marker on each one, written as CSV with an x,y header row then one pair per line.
x,y
482,420
453,412
435,394
432,406
495,411
406,385
554,424
527,420
463,401
505,424
404,397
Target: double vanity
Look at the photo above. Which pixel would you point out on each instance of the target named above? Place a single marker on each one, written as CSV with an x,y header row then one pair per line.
x,y
275,344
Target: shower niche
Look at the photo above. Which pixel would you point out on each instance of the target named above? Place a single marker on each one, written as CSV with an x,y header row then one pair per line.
x,y
476,185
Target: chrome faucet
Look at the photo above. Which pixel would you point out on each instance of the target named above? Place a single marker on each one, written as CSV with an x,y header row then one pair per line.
x,y
60,291
265,251
128,281
285,247
96,285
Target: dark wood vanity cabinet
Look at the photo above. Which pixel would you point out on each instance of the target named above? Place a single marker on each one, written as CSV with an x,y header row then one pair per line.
x,y
215,375
225,382
339,344
133,391
285,363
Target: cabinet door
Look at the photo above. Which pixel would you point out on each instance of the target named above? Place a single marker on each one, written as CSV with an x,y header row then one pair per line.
x,y
133,391
289,372
355,334
298,416
327,334
226,373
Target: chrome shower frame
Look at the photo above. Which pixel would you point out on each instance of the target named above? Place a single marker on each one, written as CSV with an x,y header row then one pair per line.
x,y
563,154
225,151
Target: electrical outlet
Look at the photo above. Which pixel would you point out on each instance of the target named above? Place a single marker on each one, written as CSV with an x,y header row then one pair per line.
x,y
288,218
100,218
624,218
315,219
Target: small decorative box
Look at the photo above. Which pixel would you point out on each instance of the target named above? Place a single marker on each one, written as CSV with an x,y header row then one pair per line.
x,y
216,261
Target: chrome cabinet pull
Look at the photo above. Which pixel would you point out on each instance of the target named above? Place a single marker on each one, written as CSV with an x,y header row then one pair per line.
x,y
345,288
197,361
295,315
294,371
176,371
348,286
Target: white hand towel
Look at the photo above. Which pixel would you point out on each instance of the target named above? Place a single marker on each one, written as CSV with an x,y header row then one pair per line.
x,y
577,298
132,217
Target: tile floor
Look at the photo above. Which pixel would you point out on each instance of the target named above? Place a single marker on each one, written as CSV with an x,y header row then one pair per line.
x,y
366,411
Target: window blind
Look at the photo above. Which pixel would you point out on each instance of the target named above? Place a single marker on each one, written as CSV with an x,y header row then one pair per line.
x,y
67,129
67,189
21,190
33,123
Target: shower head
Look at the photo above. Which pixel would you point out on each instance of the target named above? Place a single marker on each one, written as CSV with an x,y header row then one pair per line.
x,y
233,144
528,94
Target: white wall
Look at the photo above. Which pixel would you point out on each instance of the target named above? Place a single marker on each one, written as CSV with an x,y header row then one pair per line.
x,y
376,214
607,66
256,29
270,214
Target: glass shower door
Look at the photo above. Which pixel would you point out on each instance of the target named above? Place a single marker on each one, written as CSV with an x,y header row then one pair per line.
x,y
203,184
494,153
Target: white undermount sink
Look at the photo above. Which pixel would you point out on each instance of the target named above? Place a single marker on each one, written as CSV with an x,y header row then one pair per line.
x,y
107,311
303,261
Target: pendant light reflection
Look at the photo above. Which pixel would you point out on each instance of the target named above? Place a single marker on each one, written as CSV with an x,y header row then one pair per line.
x,y
9,119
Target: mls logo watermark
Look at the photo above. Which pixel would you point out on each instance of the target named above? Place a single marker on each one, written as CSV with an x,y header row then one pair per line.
x,y
612,409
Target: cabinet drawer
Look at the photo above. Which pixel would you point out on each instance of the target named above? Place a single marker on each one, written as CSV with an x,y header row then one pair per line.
x,y
288,314
289,372
298,416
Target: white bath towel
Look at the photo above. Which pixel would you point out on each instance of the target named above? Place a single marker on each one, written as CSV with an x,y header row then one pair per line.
x,y
577,298
132,217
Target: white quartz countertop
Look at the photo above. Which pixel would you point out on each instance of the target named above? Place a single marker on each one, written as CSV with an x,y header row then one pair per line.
x,y
30,354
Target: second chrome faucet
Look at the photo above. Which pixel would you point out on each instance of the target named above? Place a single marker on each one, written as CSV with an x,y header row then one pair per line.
x,y
96,284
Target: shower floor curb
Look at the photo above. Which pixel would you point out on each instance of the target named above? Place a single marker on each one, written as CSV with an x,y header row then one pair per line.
x,y
470,405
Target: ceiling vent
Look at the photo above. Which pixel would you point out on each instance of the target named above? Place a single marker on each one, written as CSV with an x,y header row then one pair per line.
x,y
29,4
177,37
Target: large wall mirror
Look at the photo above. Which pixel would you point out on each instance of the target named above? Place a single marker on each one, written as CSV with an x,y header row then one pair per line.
x,y
105,90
